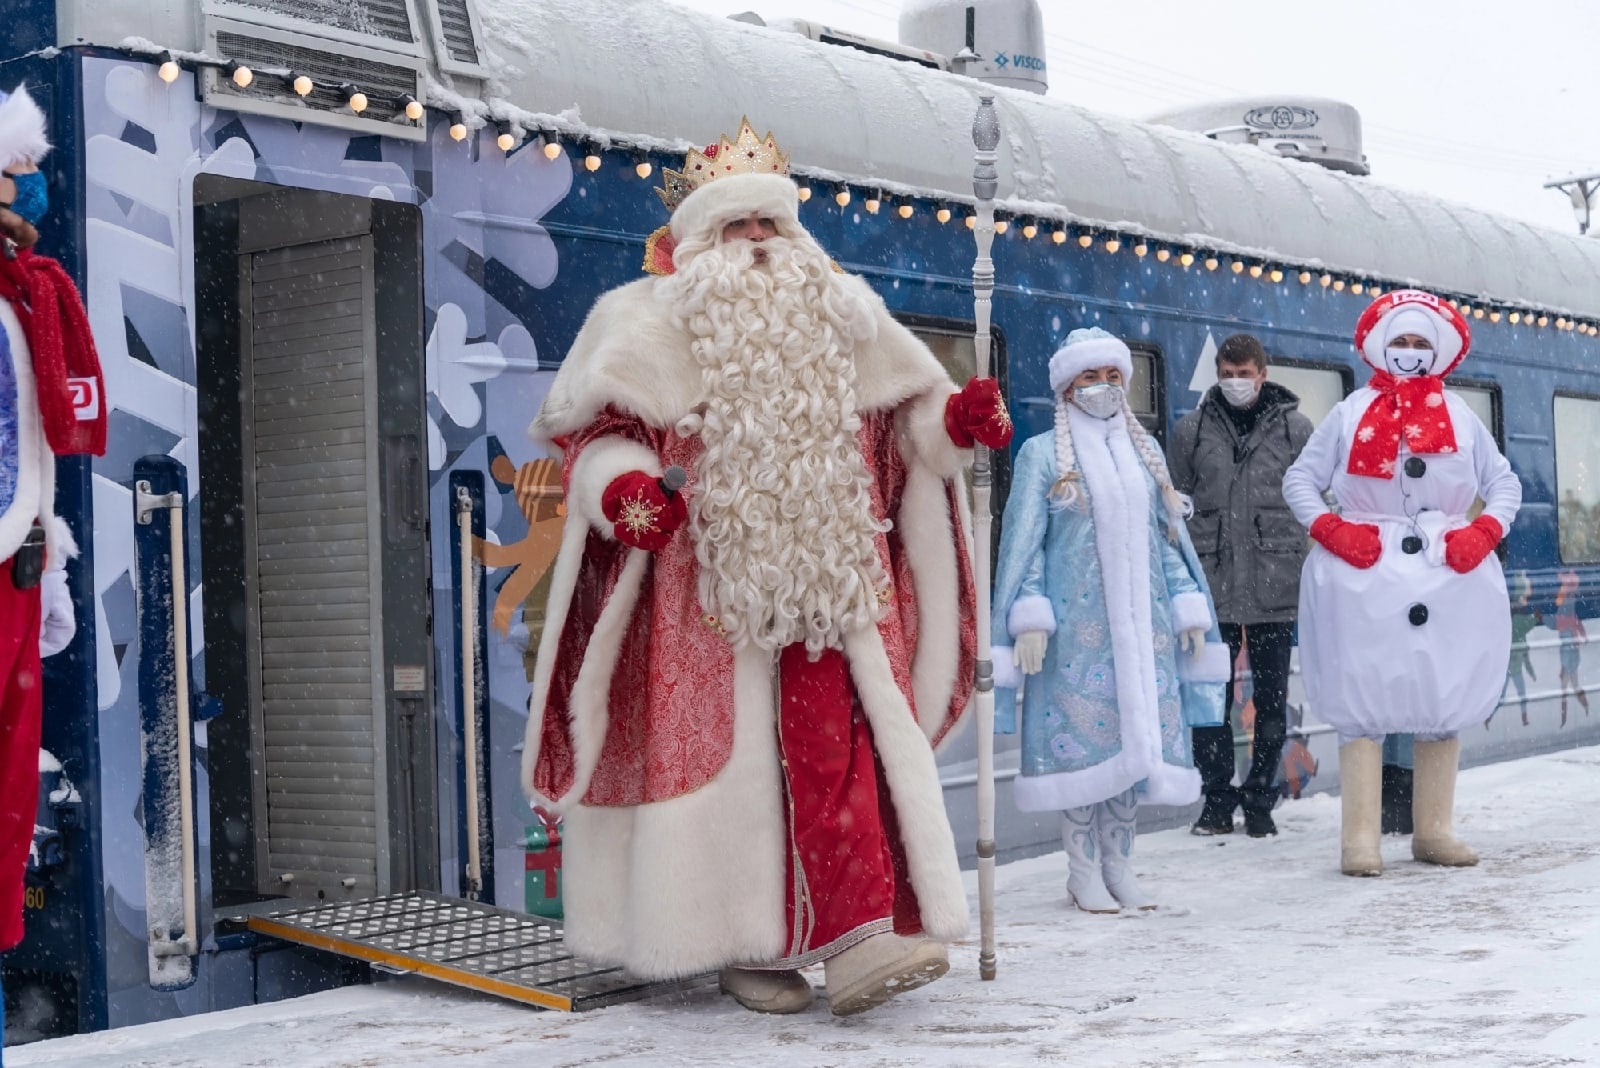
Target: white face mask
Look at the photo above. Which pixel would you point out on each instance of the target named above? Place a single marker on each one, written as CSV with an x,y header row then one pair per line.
x,y
1101,400
1403,362
1240,392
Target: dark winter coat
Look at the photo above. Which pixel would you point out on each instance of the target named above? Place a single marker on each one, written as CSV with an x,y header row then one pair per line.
x,y
1246,537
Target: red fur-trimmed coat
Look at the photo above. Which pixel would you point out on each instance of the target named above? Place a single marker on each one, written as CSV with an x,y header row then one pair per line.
x,y
653,736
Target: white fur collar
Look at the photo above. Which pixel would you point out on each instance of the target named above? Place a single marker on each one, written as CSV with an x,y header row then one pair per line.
x,y
631,355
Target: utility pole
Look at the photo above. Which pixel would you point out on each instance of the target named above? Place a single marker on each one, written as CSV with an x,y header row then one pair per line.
x,y
1581,189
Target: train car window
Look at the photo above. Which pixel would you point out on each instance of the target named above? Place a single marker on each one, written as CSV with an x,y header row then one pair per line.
x,y
952,344
1318,387
1484,400
1144,392
1578,478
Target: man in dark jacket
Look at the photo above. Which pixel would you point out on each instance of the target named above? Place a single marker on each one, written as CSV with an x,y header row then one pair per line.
x,y
1230,455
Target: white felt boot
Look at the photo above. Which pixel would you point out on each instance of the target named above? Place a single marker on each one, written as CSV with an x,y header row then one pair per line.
x,y
1114,821
1433,802
763,991
877,968
1360,807
1085,881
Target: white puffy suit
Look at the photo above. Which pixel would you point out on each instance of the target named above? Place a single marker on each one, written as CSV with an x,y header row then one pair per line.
x,y
1408,645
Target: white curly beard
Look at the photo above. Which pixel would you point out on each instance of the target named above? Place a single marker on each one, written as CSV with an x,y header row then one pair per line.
x,y
781,509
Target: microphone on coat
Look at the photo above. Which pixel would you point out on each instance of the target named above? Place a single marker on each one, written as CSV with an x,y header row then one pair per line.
x,y
672,480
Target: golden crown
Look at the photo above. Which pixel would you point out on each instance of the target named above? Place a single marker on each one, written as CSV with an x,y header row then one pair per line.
x,y
747,155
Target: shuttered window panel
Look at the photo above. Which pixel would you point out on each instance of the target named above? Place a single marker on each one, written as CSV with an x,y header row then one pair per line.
x,y
314,541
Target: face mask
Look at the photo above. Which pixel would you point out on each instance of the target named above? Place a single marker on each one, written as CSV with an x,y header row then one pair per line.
x,y
33,196
1101,400
1240,392
1408,361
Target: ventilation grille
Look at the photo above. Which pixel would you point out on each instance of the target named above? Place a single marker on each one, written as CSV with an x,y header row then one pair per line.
x,y
456,24
383,83
388,19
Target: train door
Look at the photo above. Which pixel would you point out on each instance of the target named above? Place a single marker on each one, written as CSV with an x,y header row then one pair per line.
x,y
314,544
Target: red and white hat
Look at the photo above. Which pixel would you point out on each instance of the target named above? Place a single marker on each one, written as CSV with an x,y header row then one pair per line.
x,y
22,129
1413,311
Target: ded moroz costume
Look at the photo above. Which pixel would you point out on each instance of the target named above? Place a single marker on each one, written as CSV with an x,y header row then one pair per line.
x,y
50,405
741,685
1404,617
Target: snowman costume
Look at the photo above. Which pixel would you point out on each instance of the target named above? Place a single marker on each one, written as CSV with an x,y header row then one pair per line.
x,y
1405,624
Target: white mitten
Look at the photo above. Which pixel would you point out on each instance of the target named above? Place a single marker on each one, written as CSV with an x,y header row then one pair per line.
x,y
1192,640
58,623
1029,651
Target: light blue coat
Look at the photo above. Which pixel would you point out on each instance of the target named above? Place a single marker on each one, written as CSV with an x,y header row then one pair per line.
x,y
1078,746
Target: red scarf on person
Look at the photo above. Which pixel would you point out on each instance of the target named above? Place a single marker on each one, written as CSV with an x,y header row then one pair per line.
x,y
1412,407
66,368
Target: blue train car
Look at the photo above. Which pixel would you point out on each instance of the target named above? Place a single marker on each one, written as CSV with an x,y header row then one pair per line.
x,y
333,255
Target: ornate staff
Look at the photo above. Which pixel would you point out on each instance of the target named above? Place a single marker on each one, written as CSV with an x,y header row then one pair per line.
x,y
985,180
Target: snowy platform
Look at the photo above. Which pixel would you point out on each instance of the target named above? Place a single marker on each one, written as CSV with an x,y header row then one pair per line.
x,y
1262,955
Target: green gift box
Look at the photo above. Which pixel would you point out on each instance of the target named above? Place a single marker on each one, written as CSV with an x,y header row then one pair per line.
x,y
542,865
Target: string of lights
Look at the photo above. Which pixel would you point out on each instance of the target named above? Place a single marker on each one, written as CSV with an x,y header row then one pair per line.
x,y
511,135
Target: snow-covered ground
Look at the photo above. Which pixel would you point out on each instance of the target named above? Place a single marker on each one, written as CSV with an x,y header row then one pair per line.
x,y
1262,955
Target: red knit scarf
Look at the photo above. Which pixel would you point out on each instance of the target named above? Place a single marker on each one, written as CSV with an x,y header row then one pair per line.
x,y
66,367
1412,406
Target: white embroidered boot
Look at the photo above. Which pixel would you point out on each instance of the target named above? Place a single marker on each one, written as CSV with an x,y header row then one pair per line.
x,y
1114,821
1085,882
1360,807
1433,800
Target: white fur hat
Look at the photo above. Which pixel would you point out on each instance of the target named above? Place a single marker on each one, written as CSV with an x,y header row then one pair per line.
x,y
712,206
22,128
1085,350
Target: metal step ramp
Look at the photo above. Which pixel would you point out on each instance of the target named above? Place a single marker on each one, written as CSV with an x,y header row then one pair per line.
x,y
465,943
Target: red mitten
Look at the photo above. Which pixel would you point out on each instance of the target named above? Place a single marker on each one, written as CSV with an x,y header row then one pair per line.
x,y
642,514
978,414
1465,549
1357,544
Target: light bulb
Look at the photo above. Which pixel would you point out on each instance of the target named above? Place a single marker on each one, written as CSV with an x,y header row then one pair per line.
x,y
506,142
413,108
643,168
1001,226
1338,285
552,150
1030,230
842,198
872,204
803,193
1305,278
1211,263
1112,244
1477,313
356,99
1374,292
1085,240
1544,320
1494,316
1163,254
1237,266
458,129
943,215
1515,317
1186,259
169,69
1059,237
1255,270
591,162
1326,280
905,211
242,75
1276,276
1141,250
972,222
1356,288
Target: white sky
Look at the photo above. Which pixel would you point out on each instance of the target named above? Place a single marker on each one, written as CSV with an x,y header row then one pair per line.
x,y
1479,101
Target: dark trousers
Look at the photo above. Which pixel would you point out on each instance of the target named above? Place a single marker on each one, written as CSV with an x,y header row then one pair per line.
x,y
1269,645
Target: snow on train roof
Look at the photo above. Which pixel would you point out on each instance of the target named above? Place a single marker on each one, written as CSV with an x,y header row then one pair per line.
x,y
643,67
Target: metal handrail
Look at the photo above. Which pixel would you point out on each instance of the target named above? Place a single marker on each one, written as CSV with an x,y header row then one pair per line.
x,y
469,689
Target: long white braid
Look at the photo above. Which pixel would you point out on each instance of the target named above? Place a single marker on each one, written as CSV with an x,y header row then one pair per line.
x,y
1070,492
